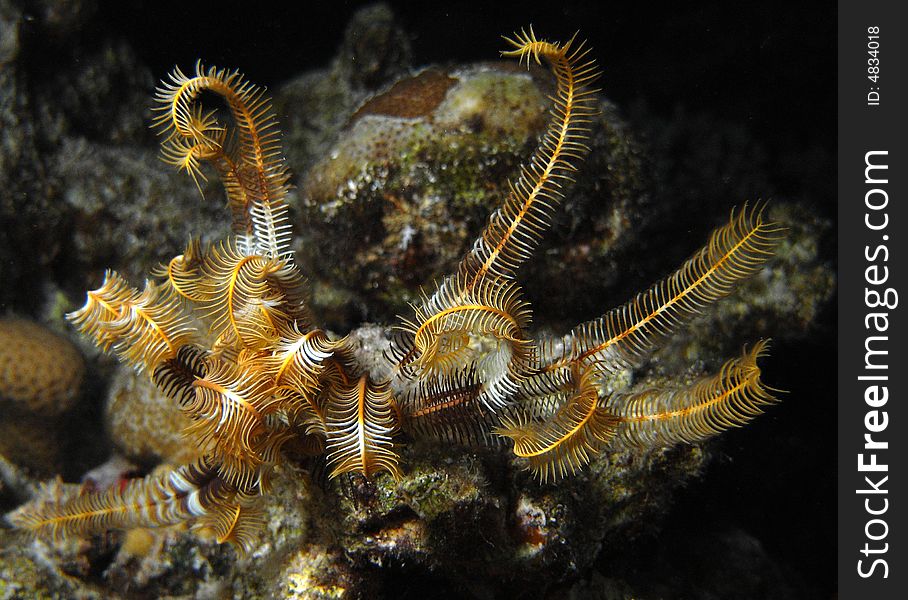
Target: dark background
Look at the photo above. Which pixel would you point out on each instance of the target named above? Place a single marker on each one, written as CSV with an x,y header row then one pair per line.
x,y
767,68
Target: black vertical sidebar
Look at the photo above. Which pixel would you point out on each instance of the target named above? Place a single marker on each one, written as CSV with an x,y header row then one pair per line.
x,y
873,269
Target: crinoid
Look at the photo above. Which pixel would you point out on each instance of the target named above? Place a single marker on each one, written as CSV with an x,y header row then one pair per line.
x,y
225,332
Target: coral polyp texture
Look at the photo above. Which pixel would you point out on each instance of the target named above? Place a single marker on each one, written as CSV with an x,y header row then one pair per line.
x,y
41,376
225,332
40,372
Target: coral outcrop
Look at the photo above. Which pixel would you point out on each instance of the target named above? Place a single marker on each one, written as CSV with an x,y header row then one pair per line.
x,y
41,376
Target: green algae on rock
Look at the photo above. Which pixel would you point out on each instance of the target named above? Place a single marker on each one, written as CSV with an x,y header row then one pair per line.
x,y
413,176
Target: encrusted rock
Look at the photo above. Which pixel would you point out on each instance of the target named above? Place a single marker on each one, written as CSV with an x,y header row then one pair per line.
x,y
320,573
130,211
412,179
24,575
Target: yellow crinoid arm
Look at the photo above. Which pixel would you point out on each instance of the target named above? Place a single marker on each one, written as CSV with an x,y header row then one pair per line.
x,y
559,444
515,229
190,493
477,317
235,295
230,421
247,156
485,329
144,328
625,336
667,416
245,298
361,420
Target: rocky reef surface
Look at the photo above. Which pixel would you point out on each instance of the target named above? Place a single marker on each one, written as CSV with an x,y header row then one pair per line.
x,y
396,169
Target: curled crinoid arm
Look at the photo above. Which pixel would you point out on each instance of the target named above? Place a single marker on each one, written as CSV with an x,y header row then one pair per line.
x,y
233,517
246,298
185,494
484,328
627,335
559,443
297,365
144,328
247,154
361,422
231,421
183,273
102,307
667,416
298,359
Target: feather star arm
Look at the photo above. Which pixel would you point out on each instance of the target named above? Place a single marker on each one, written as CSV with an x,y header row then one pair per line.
x,y
667,416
